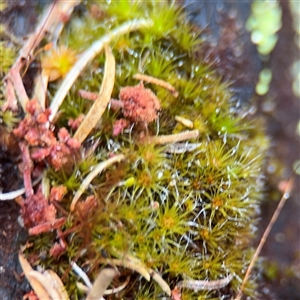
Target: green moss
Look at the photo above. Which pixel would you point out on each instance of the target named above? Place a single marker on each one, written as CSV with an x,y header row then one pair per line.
x,y
187,215
8,55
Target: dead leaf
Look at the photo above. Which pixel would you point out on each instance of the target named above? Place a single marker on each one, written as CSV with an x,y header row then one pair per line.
x,y
100,104
35,284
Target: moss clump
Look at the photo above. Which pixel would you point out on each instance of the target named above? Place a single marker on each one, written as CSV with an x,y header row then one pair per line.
x,y
8,54
188,213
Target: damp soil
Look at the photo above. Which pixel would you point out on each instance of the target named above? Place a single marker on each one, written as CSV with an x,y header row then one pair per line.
x,y
282,250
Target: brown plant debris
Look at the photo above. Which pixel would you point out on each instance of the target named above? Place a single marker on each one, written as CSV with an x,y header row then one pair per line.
x,y
35,210
158,82
41,141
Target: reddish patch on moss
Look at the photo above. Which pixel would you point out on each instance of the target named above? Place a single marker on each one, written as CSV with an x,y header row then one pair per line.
x,y
41,140
119,126
140,104
36,210
57,193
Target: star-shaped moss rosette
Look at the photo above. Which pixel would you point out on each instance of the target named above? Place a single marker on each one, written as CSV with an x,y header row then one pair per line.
x,y
171,200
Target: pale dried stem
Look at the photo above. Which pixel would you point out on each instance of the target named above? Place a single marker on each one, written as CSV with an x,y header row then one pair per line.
x,y
57,284
178,148
88,56
98,169
158,82
119,288
134,266
101,283
162,283
114,290
281,203
14,194
173,138
197,285
35,284
186,122
46,283
100,104
81,274
40,87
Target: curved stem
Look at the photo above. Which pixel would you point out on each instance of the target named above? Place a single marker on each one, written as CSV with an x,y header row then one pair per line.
x,y
98,169
89,55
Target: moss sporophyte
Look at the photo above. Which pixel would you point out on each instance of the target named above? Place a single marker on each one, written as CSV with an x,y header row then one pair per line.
x,y
162,177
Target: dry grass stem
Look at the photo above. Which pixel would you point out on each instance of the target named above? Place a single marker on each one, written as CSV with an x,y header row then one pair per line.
x,y
52,284
178,148
101,283
88,56
173,138
186,122
164,286
57,283
119,288
197,285
281,203
35,284
40,88
134,266
98,169
100,104
157,81
81,274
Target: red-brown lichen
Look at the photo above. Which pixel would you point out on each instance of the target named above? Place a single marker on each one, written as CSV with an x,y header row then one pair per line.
x,y
43,144
57,193
36,210
74,123
140,104
119,126
47,226
58,248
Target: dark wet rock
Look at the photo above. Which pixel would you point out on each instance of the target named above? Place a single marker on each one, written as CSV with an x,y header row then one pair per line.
x,y
227,45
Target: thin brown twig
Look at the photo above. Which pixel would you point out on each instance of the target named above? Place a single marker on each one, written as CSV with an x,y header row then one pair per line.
x,y
47,226
88,95
27,168
158,82
197,285
173,138
114,104
281,203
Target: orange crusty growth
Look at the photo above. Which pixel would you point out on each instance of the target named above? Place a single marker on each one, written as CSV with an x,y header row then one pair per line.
x,y
140,104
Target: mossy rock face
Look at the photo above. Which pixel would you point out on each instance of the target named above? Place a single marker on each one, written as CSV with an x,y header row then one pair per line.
x,y
187,213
